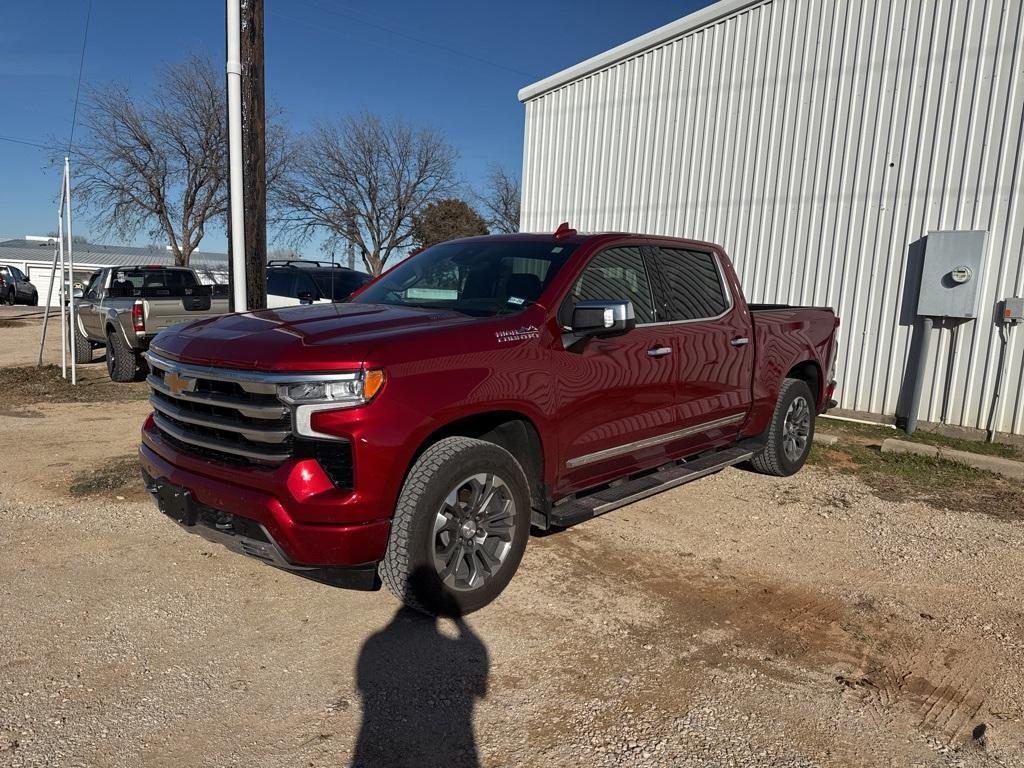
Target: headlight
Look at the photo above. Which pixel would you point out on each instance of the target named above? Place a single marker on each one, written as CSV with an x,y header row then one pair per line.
x,y
345,390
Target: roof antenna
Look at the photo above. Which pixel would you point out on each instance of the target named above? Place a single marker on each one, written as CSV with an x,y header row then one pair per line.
x,y
564,231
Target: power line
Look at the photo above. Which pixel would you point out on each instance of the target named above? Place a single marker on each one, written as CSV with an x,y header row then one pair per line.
x,y
390,30
27,142
81,67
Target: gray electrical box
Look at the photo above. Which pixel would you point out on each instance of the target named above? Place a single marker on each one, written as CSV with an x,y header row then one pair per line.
x,y
1013,309
951,274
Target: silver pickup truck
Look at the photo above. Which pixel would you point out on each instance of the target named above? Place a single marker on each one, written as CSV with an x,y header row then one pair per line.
x,y
123,308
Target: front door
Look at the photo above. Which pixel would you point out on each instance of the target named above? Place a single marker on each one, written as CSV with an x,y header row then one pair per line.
x,y
88,308
616,396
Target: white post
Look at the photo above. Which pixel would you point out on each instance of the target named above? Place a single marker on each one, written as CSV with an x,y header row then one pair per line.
x,y
63,315
234,69
71,269
46,309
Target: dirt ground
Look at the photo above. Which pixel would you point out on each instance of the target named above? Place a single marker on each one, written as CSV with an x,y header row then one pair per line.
x,y
820,620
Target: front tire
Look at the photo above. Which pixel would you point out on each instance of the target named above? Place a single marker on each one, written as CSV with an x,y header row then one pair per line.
x,y
83,348
122,362
34,300
460,527
791,431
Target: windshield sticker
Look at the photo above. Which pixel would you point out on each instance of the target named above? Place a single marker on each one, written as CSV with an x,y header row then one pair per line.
x,y
519,334
516,300
557,249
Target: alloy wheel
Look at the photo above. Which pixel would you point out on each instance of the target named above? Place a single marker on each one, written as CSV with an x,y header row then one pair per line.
x,y
473,531
796,429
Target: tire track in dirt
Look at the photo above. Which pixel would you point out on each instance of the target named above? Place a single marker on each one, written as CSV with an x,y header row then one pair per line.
x,y
794,636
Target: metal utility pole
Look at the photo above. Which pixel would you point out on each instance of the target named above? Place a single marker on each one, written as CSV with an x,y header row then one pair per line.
x,y
236,219
247,227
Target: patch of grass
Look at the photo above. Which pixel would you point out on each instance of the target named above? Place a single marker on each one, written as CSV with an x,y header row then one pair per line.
x,y
870,432
939,482
118,476
31,384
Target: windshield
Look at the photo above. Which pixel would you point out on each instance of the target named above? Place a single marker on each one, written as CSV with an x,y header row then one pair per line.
x,y
482,278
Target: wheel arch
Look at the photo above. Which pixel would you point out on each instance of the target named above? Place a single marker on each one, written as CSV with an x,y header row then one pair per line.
x,y
509,429
809,372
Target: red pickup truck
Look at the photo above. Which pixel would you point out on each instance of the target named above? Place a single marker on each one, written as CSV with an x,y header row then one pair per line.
x,y
415,434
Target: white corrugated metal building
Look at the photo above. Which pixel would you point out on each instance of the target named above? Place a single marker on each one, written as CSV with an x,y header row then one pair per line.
x,y
818,142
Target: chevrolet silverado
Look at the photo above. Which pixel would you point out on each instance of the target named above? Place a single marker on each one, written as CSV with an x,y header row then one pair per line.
x,y
414,435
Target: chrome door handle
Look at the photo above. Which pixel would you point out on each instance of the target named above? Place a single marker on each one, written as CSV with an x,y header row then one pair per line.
x,y
659,351
740,341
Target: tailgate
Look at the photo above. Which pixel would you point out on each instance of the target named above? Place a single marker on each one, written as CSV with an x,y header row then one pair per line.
x,y
163,313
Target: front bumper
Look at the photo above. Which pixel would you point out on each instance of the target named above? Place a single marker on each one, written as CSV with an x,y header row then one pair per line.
x,y
309,522
247,537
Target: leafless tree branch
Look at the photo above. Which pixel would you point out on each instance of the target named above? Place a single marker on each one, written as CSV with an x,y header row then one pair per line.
x,y
361,180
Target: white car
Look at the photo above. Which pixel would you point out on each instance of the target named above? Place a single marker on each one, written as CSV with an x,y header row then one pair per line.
x,y
294,282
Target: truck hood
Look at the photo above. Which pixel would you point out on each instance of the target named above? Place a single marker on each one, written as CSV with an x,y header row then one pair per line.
x,y
307,338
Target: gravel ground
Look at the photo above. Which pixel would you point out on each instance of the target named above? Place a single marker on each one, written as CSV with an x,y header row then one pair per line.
x,y
737,621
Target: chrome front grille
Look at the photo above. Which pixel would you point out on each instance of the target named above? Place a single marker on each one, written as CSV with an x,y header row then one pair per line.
x,y
220,413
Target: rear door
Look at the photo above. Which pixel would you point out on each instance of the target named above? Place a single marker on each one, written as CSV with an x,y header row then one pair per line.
x,y
616,396
712,333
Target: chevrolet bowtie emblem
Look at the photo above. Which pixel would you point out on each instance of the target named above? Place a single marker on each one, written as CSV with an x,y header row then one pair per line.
x,y
178,384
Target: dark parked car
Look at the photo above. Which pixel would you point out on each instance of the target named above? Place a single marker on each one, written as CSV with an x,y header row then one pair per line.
x,y
15,287
297,281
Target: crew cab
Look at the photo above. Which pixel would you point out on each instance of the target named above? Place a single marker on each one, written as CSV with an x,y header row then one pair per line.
x,y
123,308
483,387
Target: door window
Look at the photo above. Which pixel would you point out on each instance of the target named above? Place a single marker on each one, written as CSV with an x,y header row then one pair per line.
x,y
615,274
692,285
92,291
304,285
281,282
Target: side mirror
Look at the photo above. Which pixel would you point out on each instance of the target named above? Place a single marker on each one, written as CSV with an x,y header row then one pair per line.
x,y
305,297
603,317
78,293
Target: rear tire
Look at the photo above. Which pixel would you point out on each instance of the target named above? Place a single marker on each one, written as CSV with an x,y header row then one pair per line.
x,y
122,362
791,431
460,527
83,348
11,298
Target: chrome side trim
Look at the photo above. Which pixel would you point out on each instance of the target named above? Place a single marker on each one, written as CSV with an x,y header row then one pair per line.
x,y
221,401
213,444
650,442
254,433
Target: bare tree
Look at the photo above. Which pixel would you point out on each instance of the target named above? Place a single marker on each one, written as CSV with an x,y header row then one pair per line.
x,y
159,164
361,180
500,200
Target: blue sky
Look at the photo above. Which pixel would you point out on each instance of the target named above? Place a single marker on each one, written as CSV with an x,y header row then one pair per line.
x,y
456,66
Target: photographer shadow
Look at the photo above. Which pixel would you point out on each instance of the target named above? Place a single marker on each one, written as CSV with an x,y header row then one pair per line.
x,y
419,686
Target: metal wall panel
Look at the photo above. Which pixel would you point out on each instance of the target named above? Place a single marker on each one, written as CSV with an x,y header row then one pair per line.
x,y
818,142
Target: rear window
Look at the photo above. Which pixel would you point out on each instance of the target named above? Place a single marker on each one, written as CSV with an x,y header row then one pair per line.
x,y
154,282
